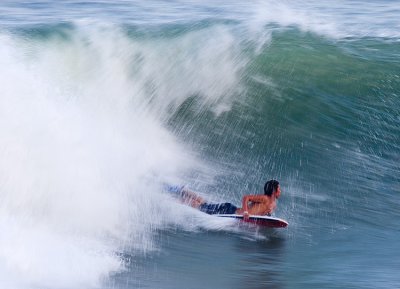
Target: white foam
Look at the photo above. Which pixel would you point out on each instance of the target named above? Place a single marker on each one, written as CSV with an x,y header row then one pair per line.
x,y
84,147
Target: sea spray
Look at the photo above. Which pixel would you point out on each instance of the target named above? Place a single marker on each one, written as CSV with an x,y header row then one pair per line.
x,y
85,150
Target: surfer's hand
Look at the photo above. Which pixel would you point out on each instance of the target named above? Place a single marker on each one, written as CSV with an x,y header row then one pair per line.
x,y
246,215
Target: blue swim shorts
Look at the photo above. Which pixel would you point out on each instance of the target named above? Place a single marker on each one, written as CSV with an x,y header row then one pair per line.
x,y
223,208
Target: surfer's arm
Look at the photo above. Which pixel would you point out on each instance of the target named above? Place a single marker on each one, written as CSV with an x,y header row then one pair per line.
x,y
245,204
259,205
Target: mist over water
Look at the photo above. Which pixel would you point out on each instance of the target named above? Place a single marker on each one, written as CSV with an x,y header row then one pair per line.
x,y
85,147
103,103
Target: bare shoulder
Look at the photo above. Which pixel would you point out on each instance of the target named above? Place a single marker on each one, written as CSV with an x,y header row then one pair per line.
x,y
257,198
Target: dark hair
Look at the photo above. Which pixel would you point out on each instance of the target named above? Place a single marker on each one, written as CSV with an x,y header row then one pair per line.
x,y
270,187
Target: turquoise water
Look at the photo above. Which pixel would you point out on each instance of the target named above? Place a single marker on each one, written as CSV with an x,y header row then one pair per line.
x,y
101,103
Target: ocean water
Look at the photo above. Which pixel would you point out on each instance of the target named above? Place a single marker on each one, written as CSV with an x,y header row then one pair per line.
x,y
103,102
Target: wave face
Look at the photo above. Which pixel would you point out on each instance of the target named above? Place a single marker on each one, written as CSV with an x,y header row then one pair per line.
x,y
103,103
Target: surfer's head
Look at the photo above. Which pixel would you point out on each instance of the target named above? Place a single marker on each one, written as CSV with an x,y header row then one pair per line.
x,y
271,187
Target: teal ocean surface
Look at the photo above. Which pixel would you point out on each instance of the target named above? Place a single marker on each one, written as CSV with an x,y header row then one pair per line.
x,y
103,102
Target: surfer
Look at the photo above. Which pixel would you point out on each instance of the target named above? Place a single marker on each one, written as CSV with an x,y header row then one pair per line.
x,y
251,204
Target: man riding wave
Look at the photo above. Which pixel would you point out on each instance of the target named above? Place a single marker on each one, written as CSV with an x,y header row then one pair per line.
x,y
251,204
